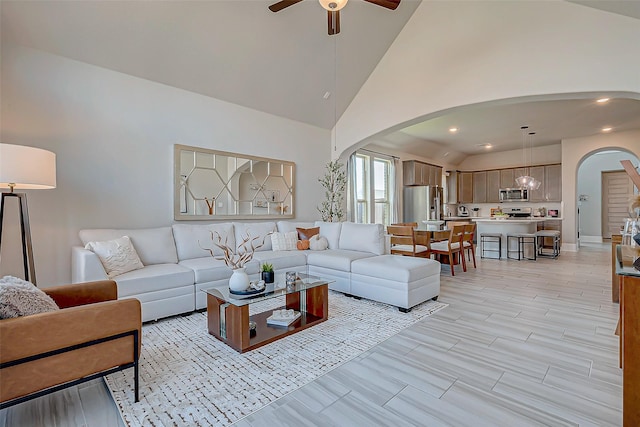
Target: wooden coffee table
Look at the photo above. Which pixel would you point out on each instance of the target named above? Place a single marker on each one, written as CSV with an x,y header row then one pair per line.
x,y
228,317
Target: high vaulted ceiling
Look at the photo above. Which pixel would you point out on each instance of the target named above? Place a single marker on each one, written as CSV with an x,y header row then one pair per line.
x,y
285,63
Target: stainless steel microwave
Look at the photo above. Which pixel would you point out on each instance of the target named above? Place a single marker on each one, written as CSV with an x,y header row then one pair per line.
x,y
514,195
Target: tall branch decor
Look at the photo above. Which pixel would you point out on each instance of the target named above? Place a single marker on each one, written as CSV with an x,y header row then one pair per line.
x,y
334,182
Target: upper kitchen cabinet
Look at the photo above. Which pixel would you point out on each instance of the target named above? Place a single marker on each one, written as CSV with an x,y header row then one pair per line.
x,y
538,195
419,173
507,178
480,187
465,187
494,183
553,183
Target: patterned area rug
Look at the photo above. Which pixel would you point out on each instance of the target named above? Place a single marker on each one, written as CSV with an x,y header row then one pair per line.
x,y
189,378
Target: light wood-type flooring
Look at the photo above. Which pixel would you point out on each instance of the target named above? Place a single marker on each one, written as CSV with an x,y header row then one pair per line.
x,y
522,343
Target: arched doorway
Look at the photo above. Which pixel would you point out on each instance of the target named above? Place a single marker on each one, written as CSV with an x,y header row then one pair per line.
x,y
602,192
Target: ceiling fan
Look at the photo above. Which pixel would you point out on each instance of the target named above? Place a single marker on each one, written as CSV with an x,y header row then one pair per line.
x,y
333,9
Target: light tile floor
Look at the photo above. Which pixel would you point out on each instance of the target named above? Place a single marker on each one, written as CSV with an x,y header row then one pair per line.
x,y
522,343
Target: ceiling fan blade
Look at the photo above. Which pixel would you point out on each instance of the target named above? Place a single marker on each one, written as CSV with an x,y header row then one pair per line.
x,y
277,7
333,21
389,4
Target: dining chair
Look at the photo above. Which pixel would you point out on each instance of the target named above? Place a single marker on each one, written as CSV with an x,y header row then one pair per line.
x,y
452,247
467,242
405,242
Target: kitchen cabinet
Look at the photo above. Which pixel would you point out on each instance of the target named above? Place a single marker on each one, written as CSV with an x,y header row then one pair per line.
x,y
465,187
538,195
553,183
419,173
480,187
507,178
494,180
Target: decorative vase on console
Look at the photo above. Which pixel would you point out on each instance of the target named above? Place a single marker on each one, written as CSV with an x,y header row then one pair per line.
x,y
239,280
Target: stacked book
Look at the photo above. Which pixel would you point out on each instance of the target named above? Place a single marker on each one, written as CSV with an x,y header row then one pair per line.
x,y
283,317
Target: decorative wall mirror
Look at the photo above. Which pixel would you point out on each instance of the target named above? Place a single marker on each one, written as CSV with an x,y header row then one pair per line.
x,y
210,184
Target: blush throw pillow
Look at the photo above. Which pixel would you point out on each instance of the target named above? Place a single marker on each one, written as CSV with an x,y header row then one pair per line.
x,y
284,241
318,243
117,256
306,233
22,298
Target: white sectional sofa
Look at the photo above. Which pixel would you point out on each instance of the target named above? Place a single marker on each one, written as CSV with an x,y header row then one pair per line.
x,y
177,268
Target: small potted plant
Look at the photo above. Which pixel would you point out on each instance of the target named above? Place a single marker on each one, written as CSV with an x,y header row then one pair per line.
x,y
267,273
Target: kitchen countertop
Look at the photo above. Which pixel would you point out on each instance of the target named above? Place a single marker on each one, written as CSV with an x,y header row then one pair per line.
x,y
516,220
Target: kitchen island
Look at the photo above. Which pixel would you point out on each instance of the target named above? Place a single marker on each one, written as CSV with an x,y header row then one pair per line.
x,y
508,226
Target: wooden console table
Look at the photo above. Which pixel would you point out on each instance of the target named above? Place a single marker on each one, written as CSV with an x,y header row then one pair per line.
x,y
616,239
629,332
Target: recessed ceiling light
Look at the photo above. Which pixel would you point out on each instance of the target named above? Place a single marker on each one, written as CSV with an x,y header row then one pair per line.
x,y
326,95
602,100
453,129
485,146
607,129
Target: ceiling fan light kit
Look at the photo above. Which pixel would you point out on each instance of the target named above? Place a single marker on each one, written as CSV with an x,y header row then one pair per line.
x,y
333,10
333,5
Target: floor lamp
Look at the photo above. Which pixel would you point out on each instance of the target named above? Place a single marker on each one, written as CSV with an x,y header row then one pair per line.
x,y
25,168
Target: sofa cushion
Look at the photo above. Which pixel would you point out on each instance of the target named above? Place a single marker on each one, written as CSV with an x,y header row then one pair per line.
x,y
282,259
330,230
207,269
117,256
153,245
152,278
192,238
284,226
261,230
335,259
284,241
19,297
396,268
362,237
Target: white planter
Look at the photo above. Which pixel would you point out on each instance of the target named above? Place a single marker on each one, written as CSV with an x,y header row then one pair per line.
x,y
239,280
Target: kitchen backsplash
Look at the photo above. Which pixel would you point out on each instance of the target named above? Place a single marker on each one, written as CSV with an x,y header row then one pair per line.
x,y
484,209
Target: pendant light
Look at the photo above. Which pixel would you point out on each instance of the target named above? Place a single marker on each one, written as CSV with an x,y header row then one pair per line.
x,y
526,181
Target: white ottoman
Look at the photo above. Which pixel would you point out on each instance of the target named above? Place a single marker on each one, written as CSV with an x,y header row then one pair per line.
x,y
395,279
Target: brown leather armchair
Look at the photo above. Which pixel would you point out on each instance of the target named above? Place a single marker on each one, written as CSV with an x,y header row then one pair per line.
x,y
94,334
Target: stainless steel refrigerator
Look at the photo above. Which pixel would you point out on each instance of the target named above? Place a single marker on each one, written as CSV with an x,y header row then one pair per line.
x,y
422,203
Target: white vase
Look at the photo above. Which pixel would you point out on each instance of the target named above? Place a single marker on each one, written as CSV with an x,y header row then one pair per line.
x,y
239,280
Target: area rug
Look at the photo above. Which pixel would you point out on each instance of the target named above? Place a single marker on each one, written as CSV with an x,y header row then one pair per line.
x,y
189,378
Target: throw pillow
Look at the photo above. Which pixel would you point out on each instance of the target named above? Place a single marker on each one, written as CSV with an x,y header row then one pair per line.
x,y
284,241
306,233
318,243
117,256
21,298
303,245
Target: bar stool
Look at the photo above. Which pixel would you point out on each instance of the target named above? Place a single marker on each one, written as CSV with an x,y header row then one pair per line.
x,y
523,239
490,238
555,249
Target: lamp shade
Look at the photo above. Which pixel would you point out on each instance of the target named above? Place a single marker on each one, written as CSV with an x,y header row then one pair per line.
x,y
26,167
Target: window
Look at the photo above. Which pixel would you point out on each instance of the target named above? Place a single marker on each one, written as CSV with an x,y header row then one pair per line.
x,y
372,179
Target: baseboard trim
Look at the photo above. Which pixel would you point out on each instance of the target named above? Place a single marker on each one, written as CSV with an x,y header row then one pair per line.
x,y
569,247
591,239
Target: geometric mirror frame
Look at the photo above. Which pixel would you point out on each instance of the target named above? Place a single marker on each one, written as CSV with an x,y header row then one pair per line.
x,y
211,184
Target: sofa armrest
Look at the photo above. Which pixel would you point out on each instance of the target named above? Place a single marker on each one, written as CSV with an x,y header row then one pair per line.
x,y
83,293
30,346
86,266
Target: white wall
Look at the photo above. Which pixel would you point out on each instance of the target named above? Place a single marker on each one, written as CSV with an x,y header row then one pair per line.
x,y
574,152
113,135
450,55
590,184
510,159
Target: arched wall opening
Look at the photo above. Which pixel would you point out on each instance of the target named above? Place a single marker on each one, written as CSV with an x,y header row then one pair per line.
x,y
574,153
592,219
